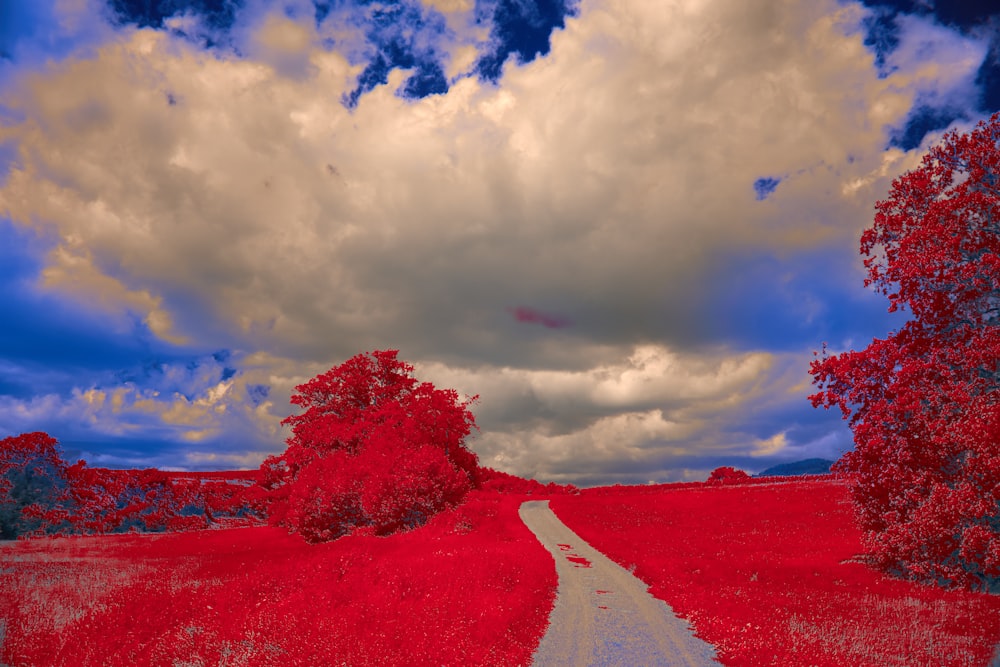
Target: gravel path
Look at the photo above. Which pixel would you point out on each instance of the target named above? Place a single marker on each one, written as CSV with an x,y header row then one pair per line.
x,y
603,615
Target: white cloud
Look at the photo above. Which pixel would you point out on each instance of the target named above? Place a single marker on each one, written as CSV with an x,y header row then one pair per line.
x,y
769,446
638,413
931,61
284,44
71,271
186,403
449,5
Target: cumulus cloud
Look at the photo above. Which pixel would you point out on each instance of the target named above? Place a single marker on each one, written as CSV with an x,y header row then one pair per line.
x,y
637,416
219,408
582,180
929,58
237,202
283,44
72,272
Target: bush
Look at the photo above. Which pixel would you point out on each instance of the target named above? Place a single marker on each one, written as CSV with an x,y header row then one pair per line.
x,y
727,475
502,482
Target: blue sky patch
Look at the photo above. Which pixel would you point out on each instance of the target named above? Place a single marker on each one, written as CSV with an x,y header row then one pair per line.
x,y
921,120
216,14
763,187
519,28
882,38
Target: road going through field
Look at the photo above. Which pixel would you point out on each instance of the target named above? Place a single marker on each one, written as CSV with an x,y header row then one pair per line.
x,y
603,615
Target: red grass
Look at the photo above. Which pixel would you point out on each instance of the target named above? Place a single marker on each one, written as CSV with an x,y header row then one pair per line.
x,y
472,587
768,574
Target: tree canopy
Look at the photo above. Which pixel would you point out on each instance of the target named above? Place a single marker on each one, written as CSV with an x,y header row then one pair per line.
x,y
373,450
924,402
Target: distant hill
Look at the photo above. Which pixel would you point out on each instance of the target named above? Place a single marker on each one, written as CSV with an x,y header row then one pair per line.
x,y
806,467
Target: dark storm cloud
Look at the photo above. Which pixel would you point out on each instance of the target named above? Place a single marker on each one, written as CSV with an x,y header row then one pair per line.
x,y
532,316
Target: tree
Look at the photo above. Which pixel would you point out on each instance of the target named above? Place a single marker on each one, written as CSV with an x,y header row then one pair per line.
x,y
924,403
33,485
373,450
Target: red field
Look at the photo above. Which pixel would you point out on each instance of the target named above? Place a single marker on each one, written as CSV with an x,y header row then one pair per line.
x,y
472,587
766,572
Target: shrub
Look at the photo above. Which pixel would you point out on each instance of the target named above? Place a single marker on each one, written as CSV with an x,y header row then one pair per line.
x,y
728,475
503,482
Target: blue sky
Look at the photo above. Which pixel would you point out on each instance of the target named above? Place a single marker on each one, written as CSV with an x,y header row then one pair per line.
x,y
625,225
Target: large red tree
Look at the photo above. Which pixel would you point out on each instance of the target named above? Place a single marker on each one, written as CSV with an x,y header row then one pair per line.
x,y
924,402
373,449
33,485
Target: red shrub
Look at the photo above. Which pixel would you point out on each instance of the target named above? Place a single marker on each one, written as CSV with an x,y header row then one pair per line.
x,y
324,502
409,485
728,475
496,480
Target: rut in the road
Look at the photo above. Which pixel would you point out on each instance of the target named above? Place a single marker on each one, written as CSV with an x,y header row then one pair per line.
x,y
603,615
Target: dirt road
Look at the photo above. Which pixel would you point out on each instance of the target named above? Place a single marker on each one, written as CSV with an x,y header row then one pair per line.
x,y
603,615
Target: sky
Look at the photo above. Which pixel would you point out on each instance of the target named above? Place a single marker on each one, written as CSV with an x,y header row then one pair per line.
x,y
626,225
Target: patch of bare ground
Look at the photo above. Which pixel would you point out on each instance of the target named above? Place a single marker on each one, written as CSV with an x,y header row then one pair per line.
x,y
603,615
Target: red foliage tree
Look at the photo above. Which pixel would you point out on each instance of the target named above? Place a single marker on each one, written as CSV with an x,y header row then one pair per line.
x,y
728,475
924,403
373,450
33,485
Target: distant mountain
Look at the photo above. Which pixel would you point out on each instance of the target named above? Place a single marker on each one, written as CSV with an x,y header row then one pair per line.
x,y
806,467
